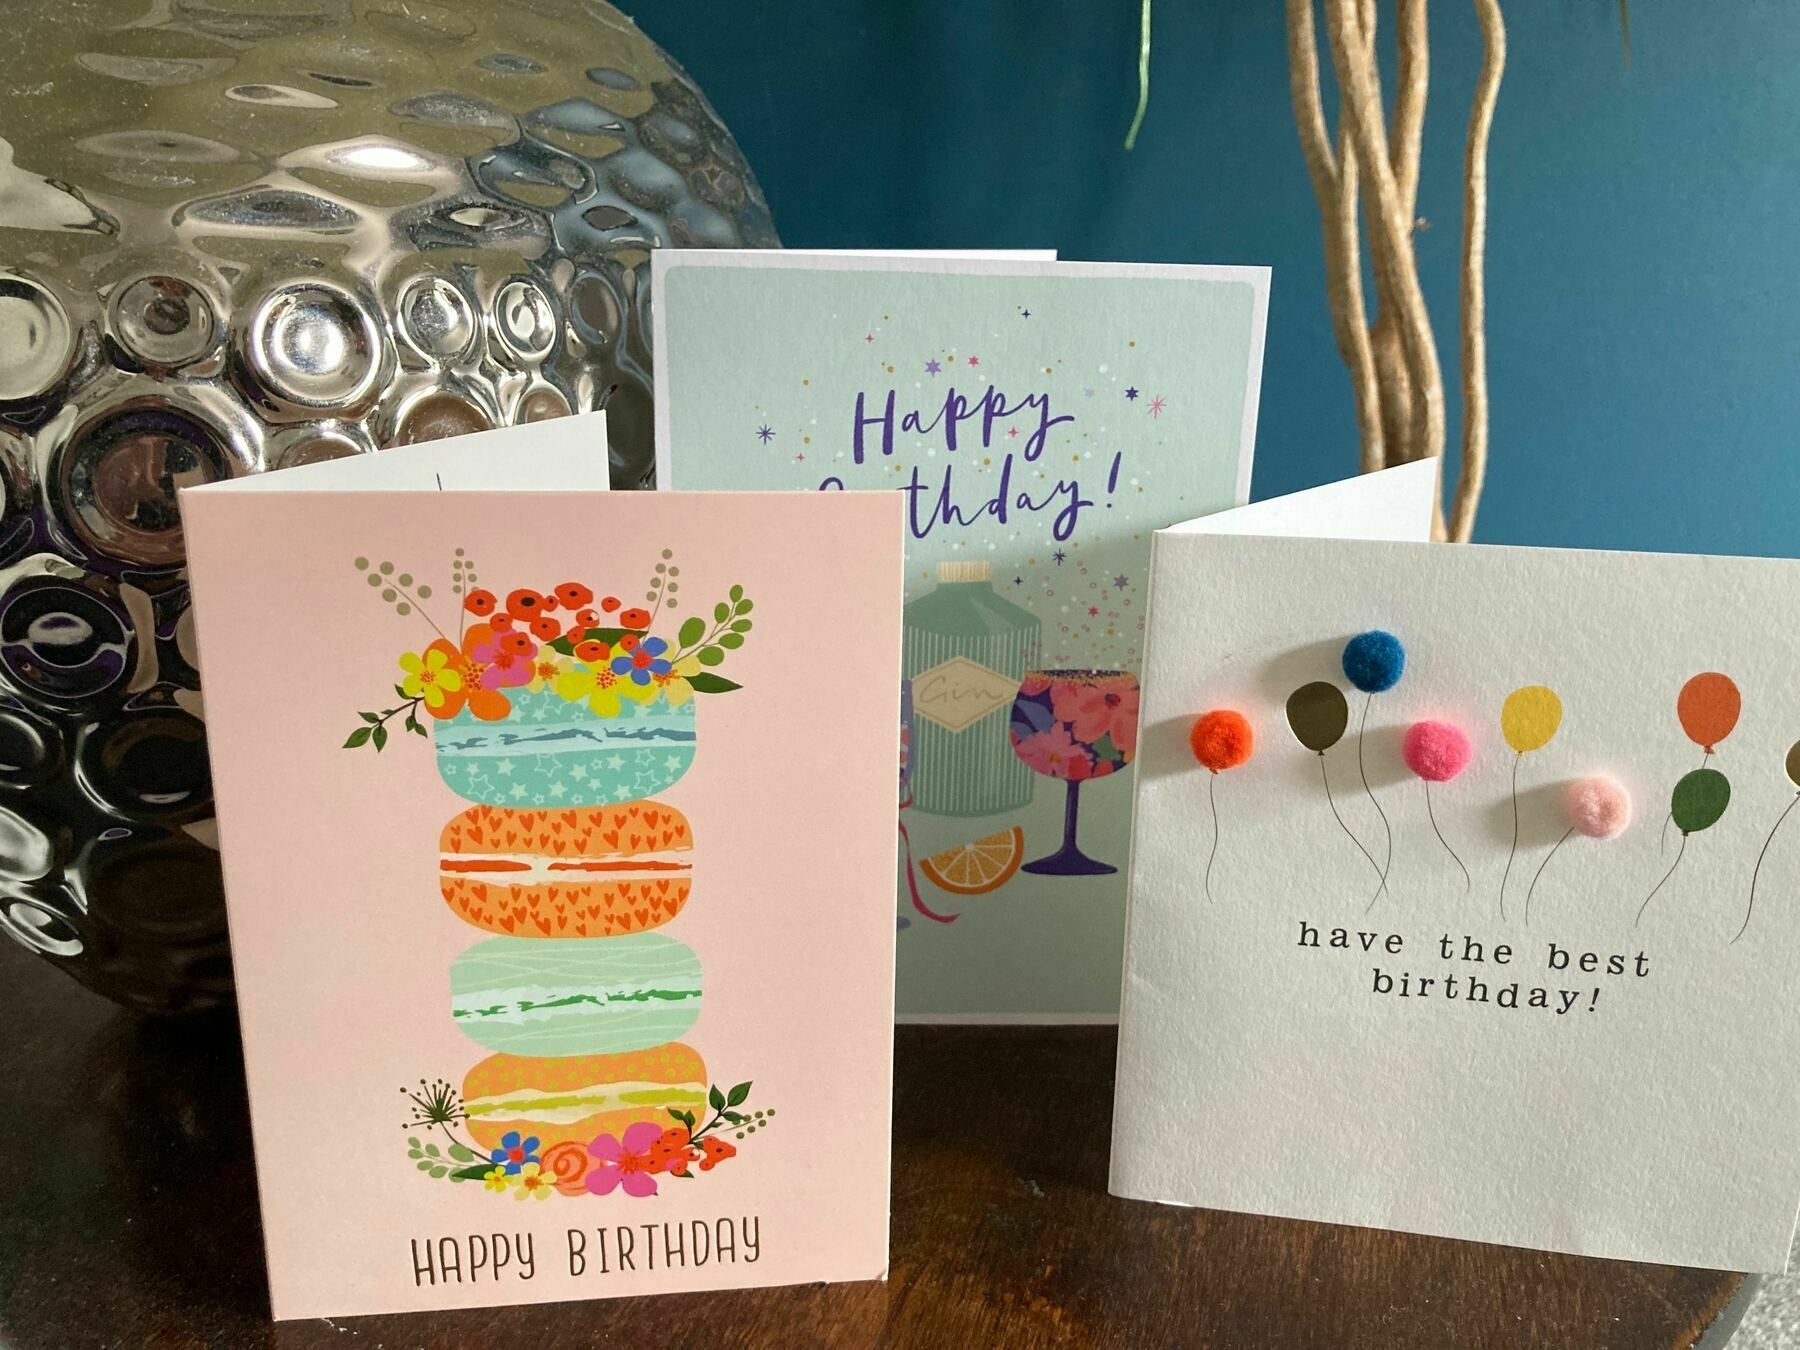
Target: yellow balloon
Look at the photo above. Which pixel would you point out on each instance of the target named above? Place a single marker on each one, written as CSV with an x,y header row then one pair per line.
x,y
1530,717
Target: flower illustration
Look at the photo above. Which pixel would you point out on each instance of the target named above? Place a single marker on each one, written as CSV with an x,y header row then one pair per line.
x,y
1094,711
496,1180
535,1182
674,684
600,687
435,675
624,1163
674,1151
1054,752
515,1152
717,1151
500,665
644,662
566,1164
546,666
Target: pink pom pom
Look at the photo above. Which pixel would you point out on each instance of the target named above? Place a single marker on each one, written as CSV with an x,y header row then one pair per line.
x,y
1436,751
1599,807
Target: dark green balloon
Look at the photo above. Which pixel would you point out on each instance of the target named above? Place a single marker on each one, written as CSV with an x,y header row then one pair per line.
x,y
1793,764
1699,800
1318,715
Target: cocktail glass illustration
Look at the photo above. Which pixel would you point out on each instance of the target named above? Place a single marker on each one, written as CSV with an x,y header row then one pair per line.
x,y
1075,725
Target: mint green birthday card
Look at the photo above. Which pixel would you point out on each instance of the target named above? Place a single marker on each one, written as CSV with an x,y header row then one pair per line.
x,y
1041,420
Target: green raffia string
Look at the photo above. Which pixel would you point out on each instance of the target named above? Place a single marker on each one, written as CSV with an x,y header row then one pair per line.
x,y
1143,103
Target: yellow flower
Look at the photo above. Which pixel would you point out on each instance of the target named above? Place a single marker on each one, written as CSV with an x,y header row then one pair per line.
x,y
546,668
497,1179
600,688
432,677
535,1182
674,685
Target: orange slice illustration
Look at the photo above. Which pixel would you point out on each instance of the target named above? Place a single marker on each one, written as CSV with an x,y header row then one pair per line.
x,y
977,868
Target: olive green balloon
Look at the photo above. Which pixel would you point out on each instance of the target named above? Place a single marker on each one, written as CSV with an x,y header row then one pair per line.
x,y
1699,800
1793,764
1318,714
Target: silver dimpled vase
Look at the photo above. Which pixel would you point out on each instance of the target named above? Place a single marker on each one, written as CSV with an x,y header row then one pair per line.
x,y
238,235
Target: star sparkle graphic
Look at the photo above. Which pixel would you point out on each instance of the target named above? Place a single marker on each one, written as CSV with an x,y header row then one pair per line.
x,y
1121,581
869,338
974,360
1157,404
1024,314
933,366
1057,557
1131,393
765,433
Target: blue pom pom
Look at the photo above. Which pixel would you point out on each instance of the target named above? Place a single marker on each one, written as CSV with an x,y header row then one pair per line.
x,y
1374,661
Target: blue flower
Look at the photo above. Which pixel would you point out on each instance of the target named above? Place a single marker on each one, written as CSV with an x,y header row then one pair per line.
x,y
643,662
514,1152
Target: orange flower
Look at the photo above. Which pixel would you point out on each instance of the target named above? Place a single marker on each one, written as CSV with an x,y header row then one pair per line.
x,y
567,1164
717,1151
673,1152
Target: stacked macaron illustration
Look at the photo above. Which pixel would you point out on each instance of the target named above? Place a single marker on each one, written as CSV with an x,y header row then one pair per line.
x,y
560,714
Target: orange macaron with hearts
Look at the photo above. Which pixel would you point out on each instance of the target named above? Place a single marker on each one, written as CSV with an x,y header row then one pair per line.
x,y
589,872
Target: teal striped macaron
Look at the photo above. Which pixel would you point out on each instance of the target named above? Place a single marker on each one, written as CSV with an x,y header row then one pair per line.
x,y
580,996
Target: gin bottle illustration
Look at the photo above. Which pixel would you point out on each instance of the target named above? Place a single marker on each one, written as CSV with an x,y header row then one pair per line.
x,y
965,653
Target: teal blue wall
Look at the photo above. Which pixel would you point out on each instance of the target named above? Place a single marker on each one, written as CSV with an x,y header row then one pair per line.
x,y
1644,233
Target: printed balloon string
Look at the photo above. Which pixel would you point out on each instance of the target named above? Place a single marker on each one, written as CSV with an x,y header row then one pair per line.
x,y
1793,773
1212,780
1437,752
1468,882
1512,852
1659,885
1387,830
1374,866
1531,890
1751,907
1318,714
1708,708
1221,740
1598,807
1529,719
1374,662
1698,801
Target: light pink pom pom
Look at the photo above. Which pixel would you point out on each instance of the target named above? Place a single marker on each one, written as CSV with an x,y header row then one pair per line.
x,y
1599,807
1436,751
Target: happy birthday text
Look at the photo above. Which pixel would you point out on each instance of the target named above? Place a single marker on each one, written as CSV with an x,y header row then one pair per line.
x,y
1017,431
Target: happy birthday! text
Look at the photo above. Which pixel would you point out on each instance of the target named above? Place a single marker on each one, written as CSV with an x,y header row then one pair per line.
x,y
1011,432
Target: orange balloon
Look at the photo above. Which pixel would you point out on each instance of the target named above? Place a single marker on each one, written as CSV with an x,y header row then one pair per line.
x,y
1708,708
1222,739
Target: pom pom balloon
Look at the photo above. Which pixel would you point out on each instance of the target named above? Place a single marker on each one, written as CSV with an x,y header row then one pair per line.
x,y
1436,751
1528,719
1222,739
1598,807
1374,661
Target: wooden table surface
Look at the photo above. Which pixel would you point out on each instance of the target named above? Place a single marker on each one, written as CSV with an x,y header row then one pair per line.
x,y
128,1219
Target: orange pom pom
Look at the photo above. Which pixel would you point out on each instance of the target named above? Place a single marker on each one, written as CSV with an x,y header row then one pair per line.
x,y
1222,739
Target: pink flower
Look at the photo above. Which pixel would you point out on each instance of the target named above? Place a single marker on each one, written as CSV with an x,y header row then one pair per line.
x,y
1055,753
1035,682
1104,708
624,1162
501,666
